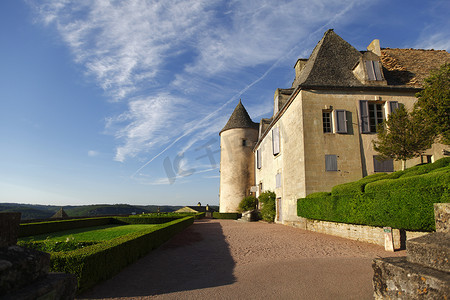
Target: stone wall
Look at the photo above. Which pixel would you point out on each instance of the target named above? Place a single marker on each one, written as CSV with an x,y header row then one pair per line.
x,y
368,234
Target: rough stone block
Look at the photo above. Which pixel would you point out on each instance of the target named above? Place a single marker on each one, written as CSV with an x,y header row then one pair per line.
x,y
431,250
59,286
442,217
396,278
9,228
21,266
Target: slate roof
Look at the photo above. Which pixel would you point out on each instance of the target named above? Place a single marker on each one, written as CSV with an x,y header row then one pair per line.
x,y
411,66
240,119
331,63
60,214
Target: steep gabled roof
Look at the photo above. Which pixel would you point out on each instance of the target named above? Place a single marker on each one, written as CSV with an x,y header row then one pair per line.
x,y
240,119
331,63
411,66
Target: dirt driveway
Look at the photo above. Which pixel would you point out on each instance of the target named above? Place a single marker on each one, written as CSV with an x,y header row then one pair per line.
x,y
227,259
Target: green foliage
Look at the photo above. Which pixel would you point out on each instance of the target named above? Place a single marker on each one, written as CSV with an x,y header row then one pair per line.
x,y
231,216
248,203
268,209
401,200
401,137
29,229
433,104
100,261
55,246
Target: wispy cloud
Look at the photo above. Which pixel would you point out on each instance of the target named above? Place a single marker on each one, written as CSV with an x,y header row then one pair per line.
x,y
93,153
179,63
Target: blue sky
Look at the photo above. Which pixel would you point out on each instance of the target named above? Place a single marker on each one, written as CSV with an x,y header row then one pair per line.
x,y
122,101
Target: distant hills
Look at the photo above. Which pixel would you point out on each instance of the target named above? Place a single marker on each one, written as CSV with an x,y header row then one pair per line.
x,y
32,211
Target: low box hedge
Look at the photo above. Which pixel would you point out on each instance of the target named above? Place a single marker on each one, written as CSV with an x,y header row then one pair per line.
x,y
231,216
397,200
30,229
101,261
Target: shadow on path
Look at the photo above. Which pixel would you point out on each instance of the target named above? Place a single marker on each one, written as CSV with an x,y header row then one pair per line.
x,y
197,258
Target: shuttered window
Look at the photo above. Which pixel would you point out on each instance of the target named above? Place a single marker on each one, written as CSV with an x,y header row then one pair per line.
x,y
326,120
278,180
276,141
380,165
373,70
330,162
258,158
364,116
340,121
393,105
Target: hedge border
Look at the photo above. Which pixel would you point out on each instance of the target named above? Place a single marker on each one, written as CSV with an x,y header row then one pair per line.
x,y
227,216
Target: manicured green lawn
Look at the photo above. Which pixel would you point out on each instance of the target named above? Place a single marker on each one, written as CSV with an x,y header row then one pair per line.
x,y
97,233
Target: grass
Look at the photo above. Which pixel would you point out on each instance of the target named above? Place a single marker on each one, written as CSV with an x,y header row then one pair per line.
x,y
97,233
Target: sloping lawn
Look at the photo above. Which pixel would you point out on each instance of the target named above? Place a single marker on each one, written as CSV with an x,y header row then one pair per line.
x,y
97,233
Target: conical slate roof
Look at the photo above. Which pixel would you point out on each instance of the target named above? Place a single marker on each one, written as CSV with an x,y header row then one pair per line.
x,y
240,119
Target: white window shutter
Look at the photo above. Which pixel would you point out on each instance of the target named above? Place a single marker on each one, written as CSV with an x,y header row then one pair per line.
x,y
276,140
278,180
369,69
393,106
340,120
258,158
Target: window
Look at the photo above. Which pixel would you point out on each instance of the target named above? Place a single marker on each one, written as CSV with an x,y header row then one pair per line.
x,y
278,180
326,118
276,141
244,143
340,121
258,158
393,105
426,159
330,162
371,114
380,165
373,70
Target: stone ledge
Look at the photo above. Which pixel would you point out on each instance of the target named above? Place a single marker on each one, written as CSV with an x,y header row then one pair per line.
x,y
431,250
56,286
442,217
20,266
396,278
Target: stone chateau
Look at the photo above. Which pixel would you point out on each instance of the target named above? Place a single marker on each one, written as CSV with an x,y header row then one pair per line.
x,y
321,131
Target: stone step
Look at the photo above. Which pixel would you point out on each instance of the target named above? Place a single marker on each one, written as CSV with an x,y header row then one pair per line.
x,y
397,278
431,250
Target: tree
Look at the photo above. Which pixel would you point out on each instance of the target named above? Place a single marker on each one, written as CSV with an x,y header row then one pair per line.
x,y
402,137
433,104
268,211
248,203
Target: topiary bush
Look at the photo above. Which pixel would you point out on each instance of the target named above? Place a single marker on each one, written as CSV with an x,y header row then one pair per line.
x,y
402,200
268,209
248,203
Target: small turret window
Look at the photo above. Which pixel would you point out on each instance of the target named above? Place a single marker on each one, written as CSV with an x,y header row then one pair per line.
x,y
244,143
373,70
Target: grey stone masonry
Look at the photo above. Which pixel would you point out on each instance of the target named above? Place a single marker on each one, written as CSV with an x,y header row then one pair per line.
x,y
425,272
9,227
396,278
442,217
430,250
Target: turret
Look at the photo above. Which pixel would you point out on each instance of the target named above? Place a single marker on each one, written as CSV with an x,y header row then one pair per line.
x,y
237,161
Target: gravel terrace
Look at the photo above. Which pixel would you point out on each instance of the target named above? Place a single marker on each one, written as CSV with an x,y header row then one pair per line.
x,y
227,259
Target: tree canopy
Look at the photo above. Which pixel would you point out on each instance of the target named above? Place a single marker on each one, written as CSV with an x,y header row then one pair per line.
x,y
433,104
402,137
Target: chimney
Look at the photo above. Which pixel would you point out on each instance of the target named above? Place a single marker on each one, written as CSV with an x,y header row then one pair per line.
x,y
375,47
299,65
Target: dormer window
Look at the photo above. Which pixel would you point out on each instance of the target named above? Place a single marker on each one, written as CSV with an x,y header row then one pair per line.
x,y
373,70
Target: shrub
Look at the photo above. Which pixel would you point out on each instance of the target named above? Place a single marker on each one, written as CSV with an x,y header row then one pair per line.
x,y
29,229
405,202
101,261
268,210
248,203
232,216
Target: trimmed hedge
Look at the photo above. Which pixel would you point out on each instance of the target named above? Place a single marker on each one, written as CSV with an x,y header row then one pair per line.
x,y
402,200
101,261
231,216
29,229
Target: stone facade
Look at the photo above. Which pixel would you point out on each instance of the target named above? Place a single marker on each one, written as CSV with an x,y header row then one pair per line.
x,y
322,130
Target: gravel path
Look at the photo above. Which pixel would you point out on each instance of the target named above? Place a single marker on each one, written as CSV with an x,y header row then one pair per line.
x,y
226,259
